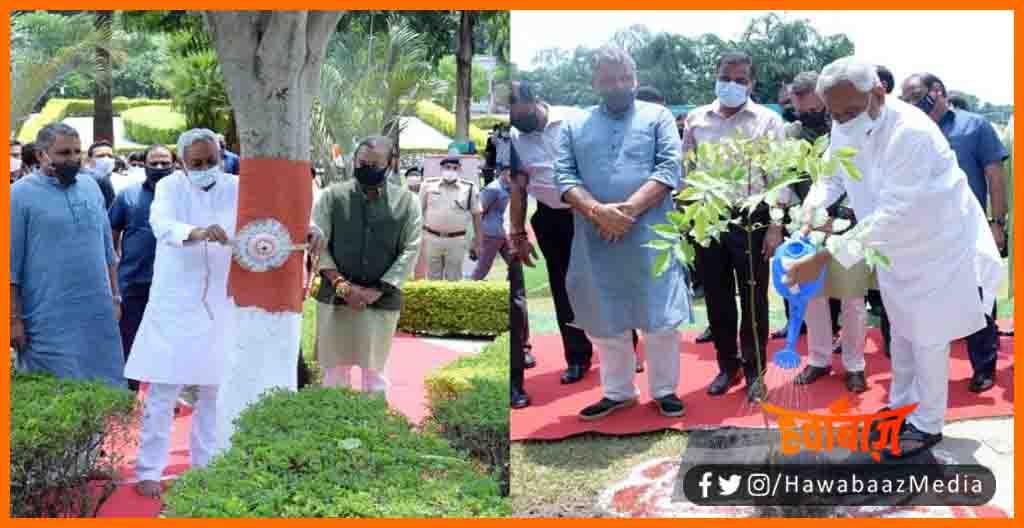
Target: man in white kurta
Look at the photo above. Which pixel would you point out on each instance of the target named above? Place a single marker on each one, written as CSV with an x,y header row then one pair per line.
x,y
185,334
914,206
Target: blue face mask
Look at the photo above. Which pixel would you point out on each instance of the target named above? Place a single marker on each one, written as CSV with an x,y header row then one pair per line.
x,y
731,94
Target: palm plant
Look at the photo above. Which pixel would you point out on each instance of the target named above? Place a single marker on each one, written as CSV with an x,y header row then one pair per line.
x,y
44,48
367,84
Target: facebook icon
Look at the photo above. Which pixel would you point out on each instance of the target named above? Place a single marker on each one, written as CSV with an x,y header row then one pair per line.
x,y
705,483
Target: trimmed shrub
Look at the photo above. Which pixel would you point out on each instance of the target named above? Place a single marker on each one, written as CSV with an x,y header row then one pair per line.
x,y
444,121
469,401
325,452
57,109
467,308
487,122
58,428
153,124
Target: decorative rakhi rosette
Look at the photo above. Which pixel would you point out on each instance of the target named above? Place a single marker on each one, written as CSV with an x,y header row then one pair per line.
x,y
264,245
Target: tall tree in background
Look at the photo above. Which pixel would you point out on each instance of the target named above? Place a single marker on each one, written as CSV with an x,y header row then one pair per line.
x,y
103,100
271,62
464,75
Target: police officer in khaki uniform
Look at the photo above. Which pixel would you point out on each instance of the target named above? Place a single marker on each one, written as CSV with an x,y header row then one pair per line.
x,y
449,204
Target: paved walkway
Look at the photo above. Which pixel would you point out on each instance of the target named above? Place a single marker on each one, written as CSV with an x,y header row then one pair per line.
x,y
84,127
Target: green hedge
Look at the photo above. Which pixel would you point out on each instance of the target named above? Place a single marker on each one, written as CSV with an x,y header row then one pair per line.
x,y
444,121
487,122
57,429
57,110
468,308
327,452
153,124
469,402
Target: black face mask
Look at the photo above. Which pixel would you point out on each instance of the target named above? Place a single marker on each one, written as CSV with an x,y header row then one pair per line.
x,y
66,173
154,175
815,122
789,114
525,123
370,176
618,101
926,104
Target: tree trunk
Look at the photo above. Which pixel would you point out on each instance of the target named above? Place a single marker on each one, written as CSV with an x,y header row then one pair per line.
x,y
103,103
271,62
464,76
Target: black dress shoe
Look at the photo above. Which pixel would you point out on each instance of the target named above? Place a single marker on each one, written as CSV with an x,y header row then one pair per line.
x,y
855,382
519,398
810,374
528,360
756,390
722,382
574,374
981,382
705,337
639,365
604,408
1005,333
670,406
837,346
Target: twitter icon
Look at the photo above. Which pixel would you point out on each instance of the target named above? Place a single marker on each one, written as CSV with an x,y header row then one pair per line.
x,y
728,486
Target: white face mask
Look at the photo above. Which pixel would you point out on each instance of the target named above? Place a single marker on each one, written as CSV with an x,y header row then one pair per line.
x,y
15,164
730,94
449,175
104,166
204,178
855,131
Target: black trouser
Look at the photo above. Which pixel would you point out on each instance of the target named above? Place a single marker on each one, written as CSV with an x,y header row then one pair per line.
x,y
983,346
717,263
518,321
554,230
303,376
875,298
135,299
835,306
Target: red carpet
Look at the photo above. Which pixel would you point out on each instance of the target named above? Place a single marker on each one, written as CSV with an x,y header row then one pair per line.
x,y
410,361
553,411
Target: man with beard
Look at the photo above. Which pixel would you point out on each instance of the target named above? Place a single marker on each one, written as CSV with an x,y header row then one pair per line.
x,y
65,301
844,289
914,206
136,245
617,166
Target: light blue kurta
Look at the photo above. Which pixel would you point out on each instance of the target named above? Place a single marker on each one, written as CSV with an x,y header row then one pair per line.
x,y
611,284
61,248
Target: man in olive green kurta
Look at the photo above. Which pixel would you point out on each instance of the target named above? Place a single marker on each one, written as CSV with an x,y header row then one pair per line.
x,y
373,229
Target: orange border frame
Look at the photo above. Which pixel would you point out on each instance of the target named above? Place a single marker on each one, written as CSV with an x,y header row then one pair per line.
x,y
508,523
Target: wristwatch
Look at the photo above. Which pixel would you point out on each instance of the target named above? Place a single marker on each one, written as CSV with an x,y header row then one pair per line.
x,y
118,299
1001,222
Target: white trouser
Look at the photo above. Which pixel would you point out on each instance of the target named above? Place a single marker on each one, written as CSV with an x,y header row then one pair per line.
x,y
920,374
445,256
618,364
819,333
341,376
157,420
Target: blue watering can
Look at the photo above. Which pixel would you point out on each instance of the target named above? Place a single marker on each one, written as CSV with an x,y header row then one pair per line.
x,y
798,296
